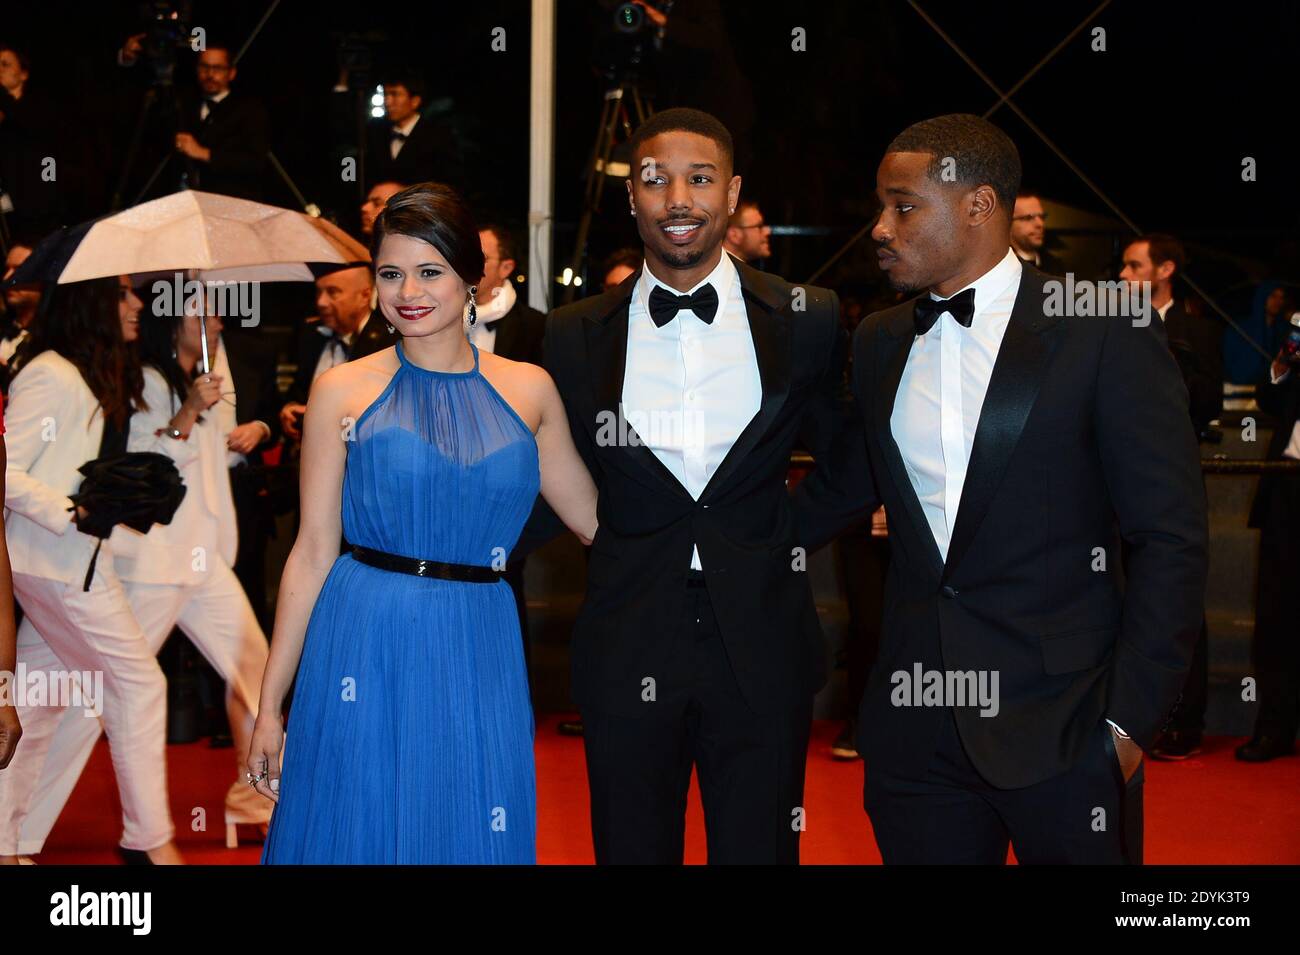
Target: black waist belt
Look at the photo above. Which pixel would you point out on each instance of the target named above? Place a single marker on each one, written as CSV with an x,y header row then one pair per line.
x,y
426,568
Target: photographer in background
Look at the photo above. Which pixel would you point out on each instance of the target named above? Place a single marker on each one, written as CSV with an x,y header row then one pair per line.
x,y
225,135
1275,650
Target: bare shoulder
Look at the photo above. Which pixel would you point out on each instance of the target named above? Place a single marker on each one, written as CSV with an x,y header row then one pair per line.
x,y
347,389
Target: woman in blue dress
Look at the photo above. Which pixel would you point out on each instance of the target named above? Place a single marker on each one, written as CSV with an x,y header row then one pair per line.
x,y
411,734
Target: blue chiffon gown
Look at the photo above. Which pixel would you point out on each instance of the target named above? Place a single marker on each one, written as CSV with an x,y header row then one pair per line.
x,y
410,738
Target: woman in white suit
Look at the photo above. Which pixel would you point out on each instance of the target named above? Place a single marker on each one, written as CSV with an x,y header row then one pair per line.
x,y
79,376
177,575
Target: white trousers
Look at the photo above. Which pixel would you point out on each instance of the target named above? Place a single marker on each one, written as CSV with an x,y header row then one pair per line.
x,y
217,617
65,629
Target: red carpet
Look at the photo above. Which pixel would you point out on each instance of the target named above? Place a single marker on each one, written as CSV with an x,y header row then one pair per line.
x,y
1211,810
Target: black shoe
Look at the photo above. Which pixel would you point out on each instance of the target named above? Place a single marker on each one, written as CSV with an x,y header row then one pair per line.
x,y
569,728
1265,746
1177,744
134,856
845,745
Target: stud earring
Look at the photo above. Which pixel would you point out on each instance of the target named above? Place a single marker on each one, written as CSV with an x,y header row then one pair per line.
x,y
633,211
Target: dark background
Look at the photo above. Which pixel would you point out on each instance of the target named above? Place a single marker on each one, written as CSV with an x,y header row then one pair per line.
x,y
1160,121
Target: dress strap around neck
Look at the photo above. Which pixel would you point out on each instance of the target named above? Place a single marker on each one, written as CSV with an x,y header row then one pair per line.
x,y
407,363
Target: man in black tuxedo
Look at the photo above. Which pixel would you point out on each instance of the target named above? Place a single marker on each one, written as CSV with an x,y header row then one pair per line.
x,y
1017,684
223,137
407,145
1275,651
344,329
1196,342
698,643
1197,345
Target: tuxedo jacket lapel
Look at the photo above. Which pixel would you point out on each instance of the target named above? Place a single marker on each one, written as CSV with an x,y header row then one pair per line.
x,y
1022,361
891,360
765,308
607,355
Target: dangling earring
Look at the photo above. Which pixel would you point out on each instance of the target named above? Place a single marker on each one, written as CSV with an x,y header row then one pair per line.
x,y
391,329
473,308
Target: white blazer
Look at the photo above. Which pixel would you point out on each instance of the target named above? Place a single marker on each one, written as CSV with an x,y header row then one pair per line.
x,y
53,425
203,530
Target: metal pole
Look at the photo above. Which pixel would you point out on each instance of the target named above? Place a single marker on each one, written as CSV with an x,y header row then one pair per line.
x,y
541,155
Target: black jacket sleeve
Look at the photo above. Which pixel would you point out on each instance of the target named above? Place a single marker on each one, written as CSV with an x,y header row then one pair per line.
x,y
1152,470
840,491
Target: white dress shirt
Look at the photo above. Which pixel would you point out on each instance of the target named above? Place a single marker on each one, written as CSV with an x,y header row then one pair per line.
x,y
394,144
335,354
206,106
689,389
941,393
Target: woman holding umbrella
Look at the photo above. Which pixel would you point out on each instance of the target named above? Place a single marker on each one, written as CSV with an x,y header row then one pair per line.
x,y
70,404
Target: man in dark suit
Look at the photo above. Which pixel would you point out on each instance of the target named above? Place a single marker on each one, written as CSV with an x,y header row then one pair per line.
x,y
506,325
1197,345
1196,342
1275,650
223,137
1029,234
1013,445
344,328
408,145
698,643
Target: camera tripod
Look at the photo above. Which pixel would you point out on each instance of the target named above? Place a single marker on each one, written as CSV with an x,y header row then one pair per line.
x,y
614,116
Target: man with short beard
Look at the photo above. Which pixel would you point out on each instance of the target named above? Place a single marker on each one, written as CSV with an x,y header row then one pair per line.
x,y
698,643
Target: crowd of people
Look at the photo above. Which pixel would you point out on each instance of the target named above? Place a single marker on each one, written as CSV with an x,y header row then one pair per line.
x,y
85,361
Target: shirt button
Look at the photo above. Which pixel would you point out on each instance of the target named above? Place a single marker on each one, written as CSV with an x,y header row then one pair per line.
x,y
949,592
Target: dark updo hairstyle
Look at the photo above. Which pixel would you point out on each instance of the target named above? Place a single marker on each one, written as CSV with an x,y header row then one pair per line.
x,y
80,321
436,214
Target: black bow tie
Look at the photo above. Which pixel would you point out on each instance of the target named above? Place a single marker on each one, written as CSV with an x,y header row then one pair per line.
x,y
928,310
664,305
398,135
